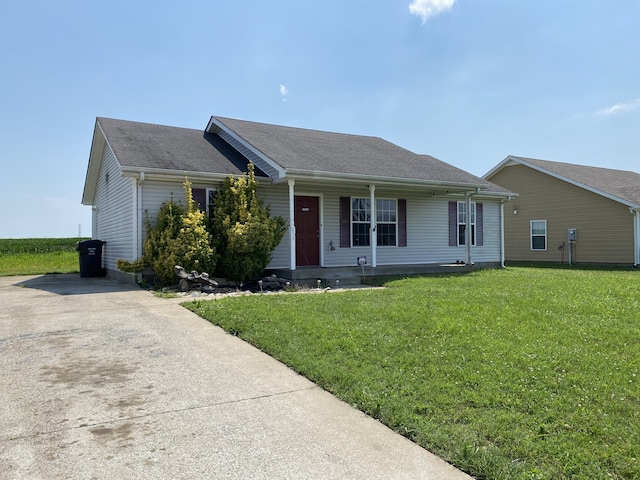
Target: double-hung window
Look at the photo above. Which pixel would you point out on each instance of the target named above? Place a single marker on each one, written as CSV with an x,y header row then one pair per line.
x,y
538,234
360,222
386,222
462,223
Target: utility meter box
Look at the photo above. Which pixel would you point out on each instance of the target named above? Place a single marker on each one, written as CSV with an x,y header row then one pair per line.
x,y
572,234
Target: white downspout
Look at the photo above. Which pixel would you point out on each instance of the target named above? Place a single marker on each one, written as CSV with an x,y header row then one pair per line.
x,y
374,235
138,222
94,222
637,239
292,226
636,235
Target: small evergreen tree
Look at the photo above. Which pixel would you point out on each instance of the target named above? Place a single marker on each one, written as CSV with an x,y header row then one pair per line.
x,y
243,232
192,246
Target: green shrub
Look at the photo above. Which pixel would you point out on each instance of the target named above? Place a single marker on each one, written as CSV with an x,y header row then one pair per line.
x,y
244,233
178,237
192,247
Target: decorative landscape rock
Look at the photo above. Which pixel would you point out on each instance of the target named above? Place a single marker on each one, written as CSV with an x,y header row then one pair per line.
x,y
187,280
206,284
272,283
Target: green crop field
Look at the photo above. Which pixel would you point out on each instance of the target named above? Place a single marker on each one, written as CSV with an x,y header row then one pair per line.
x,y
34,256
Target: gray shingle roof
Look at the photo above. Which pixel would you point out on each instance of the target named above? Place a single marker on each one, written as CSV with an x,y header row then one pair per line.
x,y
144,145
304,150
147,146
618,183
437,173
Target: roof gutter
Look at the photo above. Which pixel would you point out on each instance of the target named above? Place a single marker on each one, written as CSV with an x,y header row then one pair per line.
x,y
369,179
173,175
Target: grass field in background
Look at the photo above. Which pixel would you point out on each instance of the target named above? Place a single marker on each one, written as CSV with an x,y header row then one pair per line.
x,y
521,373
35,256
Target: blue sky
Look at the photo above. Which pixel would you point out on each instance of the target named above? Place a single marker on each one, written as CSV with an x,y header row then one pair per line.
x,y
467,81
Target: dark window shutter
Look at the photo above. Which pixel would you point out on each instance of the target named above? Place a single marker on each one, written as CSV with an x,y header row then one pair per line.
x,y
345,222
200,197
479,239
453,224
402,223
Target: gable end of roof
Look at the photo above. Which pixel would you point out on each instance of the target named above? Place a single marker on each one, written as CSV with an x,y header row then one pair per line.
x,y
617,185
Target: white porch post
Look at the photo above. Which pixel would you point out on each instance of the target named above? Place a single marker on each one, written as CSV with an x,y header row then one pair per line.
x,y
467,229
292,226
374,235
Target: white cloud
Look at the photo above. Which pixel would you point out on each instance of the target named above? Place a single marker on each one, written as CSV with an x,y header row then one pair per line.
x,y
284,92
619,108
428,8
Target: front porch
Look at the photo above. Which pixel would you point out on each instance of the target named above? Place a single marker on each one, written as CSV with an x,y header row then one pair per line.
x,y
346,276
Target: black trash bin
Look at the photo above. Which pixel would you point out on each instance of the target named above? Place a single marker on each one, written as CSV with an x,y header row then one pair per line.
x,y
90,253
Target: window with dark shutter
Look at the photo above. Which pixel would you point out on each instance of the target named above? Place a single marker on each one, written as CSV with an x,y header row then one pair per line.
x,y
458,223
402,223
345,222
453,224
479,225
200,197
355,222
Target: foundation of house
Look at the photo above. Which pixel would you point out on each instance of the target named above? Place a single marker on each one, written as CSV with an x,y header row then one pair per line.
x,y
346,276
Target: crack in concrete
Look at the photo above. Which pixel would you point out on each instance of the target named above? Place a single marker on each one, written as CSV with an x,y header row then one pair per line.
x,y
157,414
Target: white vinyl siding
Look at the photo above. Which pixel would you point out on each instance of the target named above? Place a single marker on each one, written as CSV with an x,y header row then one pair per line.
x,y
277,197
154,194
114,211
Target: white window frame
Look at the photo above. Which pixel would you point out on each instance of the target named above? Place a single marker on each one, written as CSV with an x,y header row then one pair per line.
x,y
380,212
533,234
462,222
380,220
366,202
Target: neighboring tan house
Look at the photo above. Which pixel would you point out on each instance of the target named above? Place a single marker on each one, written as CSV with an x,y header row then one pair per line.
x,y
346,198
570,213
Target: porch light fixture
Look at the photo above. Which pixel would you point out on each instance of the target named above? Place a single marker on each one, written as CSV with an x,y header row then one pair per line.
x,y
515,211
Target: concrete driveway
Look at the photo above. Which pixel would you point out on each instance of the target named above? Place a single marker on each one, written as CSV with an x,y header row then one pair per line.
x,y
101,380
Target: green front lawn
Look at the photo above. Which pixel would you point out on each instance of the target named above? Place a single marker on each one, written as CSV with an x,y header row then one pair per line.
x,y
521,373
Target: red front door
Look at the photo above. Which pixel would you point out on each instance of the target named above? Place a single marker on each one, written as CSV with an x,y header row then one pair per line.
x,y
307,222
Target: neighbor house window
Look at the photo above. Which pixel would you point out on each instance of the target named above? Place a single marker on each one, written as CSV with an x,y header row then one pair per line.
x,y
386,222
462,223
538,235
